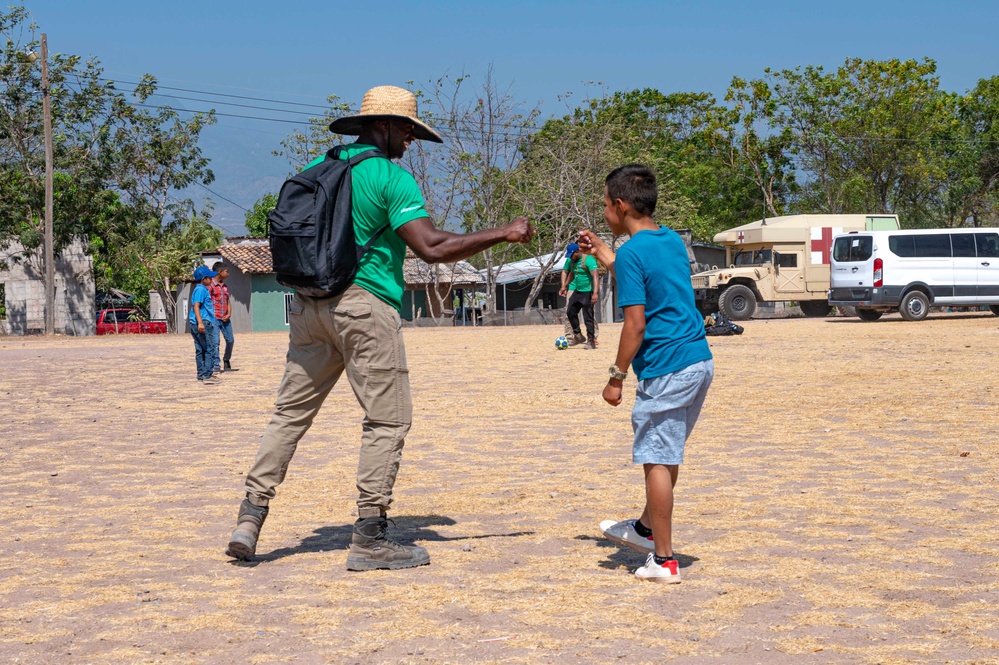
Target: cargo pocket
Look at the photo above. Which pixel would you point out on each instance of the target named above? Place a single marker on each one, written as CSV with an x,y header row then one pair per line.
x,y
298,323
352,310
352,324
386,395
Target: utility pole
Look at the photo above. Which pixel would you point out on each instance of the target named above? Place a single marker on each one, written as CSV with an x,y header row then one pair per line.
x,y
49,239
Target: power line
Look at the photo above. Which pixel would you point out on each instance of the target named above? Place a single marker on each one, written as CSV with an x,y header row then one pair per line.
x,y
221,115
219,94
245,106
201,83
469,125
213,192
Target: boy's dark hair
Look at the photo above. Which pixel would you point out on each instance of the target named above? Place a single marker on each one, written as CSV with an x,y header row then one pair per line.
x,y
218,265
636,185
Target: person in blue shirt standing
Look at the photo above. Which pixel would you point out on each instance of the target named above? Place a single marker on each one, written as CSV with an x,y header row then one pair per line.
x,y
663,340
204,325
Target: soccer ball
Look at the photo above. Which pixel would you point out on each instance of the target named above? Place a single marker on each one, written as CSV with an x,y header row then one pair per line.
x,y
561,343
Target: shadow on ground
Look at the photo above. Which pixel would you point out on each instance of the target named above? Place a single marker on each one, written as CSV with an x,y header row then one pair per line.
x,y
407,529
625,557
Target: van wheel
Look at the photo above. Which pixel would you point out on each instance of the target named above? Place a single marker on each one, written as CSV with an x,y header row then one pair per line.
x,y
814,308
994,309
914,306
868,314
737,302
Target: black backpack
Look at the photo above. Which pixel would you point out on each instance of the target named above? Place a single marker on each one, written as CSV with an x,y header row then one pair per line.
x,y
719,324
311,230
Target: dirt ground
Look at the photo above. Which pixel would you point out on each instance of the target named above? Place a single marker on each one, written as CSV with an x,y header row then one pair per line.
x,y
838,505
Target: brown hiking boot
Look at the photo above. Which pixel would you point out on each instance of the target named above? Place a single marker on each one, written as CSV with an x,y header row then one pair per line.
x,y
371,550
243,542
588,345
577,339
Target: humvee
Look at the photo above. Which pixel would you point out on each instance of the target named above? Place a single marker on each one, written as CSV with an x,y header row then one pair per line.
x,y
778,259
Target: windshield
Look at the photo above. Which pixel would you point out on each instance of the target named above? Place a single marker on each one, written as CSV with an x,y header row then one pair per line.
x,y
752,257
853,248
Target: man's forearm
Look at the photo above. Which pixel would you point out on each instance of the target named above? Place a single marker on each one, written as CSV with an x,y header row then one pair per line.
x,y
446,247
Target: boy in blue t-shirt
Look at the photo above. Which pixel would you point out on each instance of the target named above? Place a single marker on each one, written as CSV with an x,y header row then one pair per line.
x,y
203,323
663,339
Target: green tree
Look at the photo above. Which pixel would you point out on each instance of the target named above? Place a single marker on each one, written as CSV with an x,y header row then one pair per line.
x,y
256,217
972,149
157,155
747,140
84,115
866,136
677,135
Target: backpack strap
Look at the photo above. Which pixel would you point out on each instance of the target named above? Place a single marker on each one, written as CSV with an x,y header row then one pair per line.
x,y
363,249
334,153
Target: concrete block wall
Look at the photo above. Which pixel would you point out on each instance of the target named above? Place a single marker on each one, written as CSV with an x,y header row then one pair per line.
x,y
24,285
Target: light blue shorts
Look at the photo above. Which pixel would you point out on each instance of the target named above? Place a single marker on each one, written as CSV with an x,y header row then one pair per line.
x,y
666,409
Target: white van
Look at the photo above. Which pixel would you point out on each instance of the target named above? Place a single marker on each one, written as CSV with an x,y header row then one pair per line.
x,y
908,271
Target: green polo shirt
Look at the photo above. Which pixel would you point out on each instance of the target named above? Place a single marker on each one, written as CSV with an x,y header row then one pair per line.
x,y
582,279
382,193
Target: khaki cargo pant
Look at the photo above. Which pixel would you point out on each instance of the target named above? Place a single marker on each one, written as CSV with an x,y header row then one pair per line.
x,y
361,334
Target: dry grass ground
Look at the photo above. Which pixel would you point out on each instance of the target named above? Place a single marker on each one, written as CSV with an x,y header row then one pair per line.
x,y
838,505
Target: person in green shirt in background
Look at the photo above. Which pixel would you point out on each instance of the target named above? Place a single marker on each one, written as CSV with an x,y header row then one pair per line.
x,y
579,275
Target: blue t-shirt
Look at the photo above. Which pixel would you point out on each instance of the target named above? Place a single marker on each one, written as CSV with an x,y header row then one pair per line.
x,y
653,270
202,296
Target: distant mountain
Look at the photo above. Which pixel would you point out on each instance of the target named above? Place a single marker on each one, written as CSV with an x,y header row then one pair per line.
x,y
245,170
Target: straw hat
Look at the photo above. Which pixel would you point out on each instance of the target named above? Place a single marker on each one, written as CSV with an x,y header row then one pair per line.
x,y
386,101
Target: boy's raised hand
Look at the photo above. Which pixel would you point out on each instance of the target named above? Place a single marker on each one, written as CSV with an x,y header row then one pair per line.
x,y
589,242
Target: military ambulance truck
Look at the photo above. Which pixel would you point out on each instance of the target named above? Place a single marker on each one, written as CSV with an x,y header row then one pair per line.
x,y
778,259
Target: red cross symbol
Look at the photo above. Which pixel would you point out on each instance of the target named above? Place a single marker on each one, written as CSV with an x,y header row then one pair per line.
x,y
822,242
741,236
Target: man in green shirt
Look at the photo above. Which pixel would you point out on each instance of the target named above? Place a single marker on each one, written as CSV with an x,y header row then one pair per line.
x,y
360,333
579,275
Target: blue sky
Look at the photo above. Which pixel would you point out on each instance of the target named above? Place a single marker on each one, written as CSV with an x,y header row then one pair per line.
x,y
543,49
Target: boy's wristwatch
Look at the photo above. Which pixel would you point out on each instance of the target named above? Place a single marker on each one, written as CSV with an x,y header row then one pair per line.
x,y
616,373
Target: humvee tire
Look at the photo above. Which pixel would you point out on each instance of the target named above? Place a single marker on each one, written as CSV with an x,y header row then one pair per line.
x,y
737,302
869,314
814,308
914,306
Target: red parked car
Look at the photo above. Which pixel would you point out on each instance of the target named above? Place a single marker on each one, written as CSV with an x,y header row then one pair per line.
x,y
125,320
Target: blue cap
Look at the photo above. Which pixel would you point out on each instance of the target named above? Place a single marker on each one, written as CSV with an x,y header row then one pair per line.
x,y
571,249
201,272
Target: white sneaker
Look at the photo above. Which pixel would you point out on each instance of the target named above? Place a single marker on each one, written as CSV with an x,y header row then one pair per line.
x,y
624,533
667,573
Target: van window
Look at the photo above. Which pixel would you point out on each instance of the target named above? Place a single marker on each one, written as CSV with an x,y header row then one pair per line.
x,y
923,246
988,244
963,244
901,246
933,245
853,248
